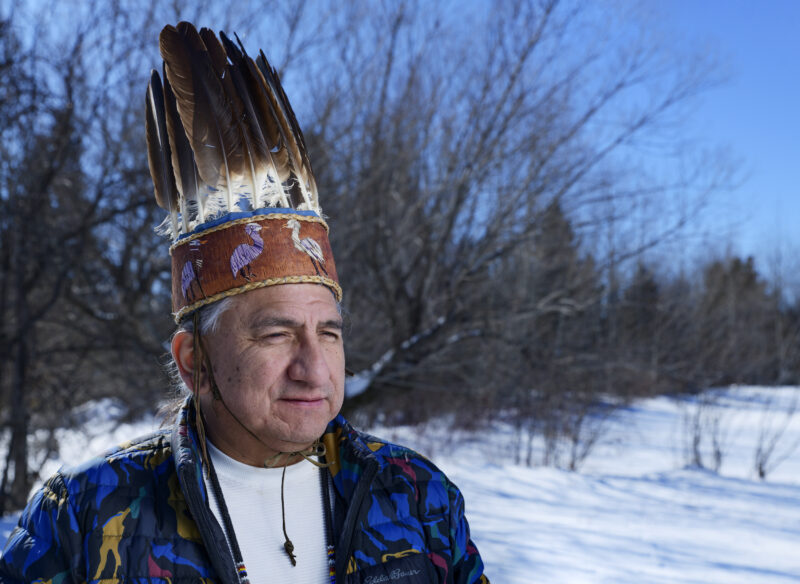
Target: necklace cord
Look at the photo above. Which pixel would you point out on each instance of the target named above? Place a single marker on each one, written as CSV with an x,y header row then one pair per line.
x,y
316,449
197,348
288,546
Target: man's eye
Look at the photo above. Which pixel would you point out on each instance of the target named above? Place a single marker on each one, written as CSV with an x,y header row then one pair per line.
x,y
275,335
333,335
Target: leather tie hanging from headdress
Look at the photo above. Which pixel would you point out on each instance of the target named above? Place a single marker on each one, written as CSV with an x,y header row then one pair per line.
x,y
229,164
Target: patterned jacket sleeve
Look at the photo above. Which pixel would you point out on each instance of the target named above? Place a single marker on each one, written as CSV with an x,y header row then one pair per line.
x,y
42,549
467,563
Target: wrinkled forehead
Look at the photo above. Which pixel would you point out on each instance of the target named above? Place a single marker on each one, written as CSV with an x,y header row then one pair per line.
x,y
285,303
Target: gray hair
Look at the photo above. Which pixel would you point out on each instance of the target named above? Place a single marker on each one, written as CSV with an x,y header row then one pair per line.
x,y
209,316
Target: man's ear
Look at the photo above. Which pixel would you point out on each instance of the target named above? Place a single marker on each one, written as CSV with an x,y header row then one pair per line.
x,y
183,354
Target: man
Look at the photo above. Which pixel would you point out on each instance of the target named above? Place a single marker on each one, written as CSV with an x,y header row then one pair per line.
x,y
259,479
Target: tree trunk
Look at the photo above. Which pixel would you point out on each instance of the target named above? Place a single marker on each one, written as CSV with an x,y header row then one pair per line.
x,y
15,496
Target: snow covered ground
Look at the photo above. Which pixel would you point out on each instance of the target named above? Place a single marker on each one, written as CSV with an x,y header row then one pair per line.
x,y
636,512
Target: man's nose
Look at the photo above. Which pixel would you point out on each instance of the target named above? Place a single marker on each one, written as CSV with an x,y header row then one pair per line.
x,y
310,364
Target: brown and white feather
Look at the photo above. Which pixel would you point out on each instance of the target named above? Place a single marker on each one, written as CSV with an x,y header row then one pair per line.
x,y
223,132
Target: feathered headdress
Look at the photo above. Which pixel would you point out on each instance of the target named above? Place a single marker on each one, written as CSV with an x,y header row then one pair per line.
x,y
229,164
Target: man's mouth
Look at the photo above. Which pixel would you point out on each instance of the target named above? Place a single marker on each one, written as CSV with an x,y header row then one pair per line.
x,y
303,400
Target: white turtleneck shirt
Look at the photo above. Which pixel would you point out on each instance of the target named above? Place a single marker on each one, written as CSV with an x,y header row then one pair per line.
x,y
253,498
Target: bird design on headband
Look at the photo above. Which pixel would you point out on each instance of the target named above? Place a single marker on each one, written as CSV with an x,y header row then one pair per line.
x,y
244,254
221,134
189,273
307,245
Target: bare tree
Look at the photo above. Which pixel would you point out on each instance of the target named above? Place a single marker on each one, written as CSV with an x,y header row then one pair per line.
x,y
81,298
51,208
707,430
775,420
439,153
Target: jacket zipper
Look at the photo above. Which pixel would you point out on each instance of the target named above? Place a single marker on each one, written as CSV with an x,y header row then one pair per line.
x,y
208,528
357,508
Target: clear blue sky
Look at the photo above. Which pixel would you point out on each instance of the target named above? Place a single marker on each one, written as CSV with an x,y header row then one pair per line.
x,y
756,113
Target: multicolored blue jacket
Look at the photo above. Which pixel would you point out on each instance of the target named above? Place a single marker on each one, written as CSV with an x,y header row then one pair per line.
x,y
140,514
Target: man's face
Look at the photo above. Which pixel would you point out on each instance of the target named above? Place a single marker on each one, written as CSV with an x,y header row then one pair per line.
x,y
278,360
